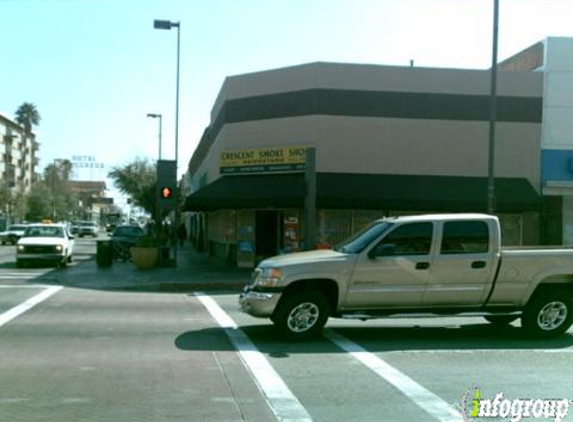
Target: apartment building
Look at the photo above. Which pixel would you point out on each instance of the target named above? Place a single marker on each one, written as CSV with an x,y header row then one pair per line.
x,y
18,162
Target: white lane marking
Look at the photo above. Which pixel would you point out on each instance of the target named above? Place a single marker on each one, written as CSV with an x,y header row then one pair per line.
x,y
27,277
425,399
568,349
281,400
27,305
25,286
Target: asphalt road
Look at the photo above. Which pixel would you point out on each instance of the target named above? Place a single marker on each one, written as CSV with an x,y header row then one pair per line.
x,y
70,354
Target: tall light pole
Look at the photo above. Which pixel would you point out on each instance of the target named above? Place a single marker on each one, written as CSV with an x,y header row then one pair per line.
x,y
54,173
8,178
493,114
157,209
157,116
165,24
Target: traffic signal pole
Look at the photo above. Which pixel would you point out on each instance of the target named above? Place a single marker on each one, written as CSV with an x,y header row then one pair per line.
x,y
167,196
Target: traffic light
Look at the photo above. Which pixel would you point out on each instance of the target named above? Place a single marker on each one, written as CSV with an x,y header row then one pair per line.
x,y
166,185
166,192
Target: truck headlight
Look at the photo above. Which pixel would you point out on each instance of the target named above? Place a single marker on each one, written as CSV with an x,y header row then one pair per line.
x,y
269,277
20,248
59,248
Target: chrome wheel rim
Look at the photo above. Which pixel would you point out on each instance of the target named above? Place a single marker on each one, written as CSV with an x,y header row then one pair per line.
x,y
303,317
552,315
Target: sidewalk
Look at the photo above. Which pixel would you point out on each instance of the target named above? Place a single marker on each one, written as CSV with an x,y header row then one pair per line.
x,y
195,271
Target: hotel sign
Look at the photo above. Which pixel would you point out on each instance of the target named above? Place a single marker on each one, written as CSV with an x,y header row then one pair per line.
x,y
268,160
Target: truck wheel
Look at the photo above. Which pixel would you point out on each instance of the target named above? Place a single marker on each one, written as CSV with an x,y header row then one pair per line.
x,y
302,314
500,319
548,315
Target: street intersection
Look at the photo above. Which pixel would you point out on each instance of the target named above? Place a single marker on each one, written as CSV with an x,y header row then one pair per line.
x,y
73,350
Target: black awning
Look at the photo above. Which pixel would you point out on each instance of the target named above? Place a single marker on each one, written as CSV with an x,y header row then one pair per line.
x,y
252,191
366,191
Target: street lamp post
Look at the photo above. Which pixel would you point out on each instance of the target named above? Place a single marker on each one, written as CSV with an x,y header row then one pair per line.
x,y
157,209
165,24
157,116
54,173
493,114
8,179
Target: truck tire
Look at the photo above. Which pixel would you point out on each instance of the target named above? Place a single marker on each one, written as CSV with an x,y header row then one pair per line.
x,y
548,315
302,314
500,319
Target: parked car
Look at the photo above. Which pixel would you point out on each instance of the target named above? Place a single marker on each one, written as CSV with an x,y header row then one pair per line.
x,y
127,234
13,233
87,228
46,243
74,227
123,238
434,265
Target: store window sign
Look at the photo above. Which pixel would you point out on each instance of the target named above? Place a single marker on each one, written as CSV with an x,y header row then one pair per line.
x,y
267,160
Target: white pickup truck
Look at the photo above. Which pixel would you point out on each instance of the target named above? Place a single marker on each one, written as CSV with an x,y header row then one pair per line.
x,y
45,243
432,265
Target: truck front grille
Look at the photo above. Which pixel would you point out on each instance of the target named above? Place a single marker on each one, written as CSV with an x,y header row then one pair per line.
x,y
39,249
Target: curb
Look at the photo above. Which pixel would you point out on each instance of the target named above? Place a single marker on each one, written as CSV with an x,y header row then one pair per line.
x,y
227,287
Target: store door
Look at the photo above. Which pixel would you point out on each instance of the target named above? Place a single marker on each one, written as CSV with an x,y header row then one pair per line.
x,y
266,234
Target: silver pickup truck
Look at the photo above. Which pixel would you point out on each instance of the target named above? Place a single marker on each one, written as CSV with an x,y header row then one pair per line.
x,y
431,265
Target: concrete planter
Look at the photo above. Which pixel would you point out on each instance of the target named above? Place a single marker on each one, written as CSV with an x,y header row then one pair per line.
x,y
144,257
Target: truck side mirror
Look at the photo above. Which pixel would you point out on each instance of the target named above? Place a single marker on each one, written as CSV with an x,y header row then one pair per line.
x,y
385,249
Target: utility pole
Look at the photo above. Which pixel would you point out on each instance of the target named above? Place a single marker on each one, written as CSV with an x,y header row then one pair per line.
x,y
493,114
310,199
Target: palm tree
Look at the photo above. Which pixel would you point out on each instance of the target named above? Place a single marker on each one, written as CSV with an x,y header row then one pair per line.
x,y
27,115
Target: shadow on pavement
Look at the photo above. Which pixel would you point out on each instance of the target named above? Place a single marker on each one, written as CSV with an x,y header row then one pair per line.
x,y
378,339
194,272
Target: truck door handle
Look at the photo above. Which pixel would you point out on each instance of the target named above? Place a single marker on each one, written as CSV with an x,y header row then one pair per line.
x,y
478,264
422,265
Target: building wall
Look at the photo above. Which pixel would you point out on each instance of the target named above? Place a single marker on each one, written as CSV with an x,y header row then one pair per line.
x,y
529,59
18,155
444,144
374,78
414,121
557,128
230,129
18,163
372,145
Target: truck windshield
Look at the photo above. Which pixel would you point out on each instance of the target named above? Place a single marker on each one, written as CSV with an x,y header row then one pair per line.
x,y
358,241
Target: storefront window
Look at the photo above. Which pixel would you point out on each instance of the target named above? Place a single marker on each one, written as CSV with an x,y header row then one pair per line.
x,y
363,218
333,227
511,229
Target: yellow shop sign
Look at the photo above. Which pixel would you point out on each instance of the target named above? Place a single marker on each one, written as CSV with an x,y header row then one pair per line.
x,y
266,160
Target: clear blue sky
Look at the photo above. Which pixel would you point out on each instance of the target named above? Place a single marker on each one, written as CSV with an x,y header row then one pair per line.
x,y
95,68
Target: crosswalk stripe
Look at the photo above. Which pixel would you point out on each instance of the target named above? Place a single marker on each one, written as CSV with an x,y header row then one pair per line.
x,y
424,398
27,277
27,305
280,398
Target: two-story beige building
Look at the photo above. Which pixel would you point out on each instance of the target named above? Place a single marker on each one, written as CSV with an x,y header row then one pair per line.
x,y
388,141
